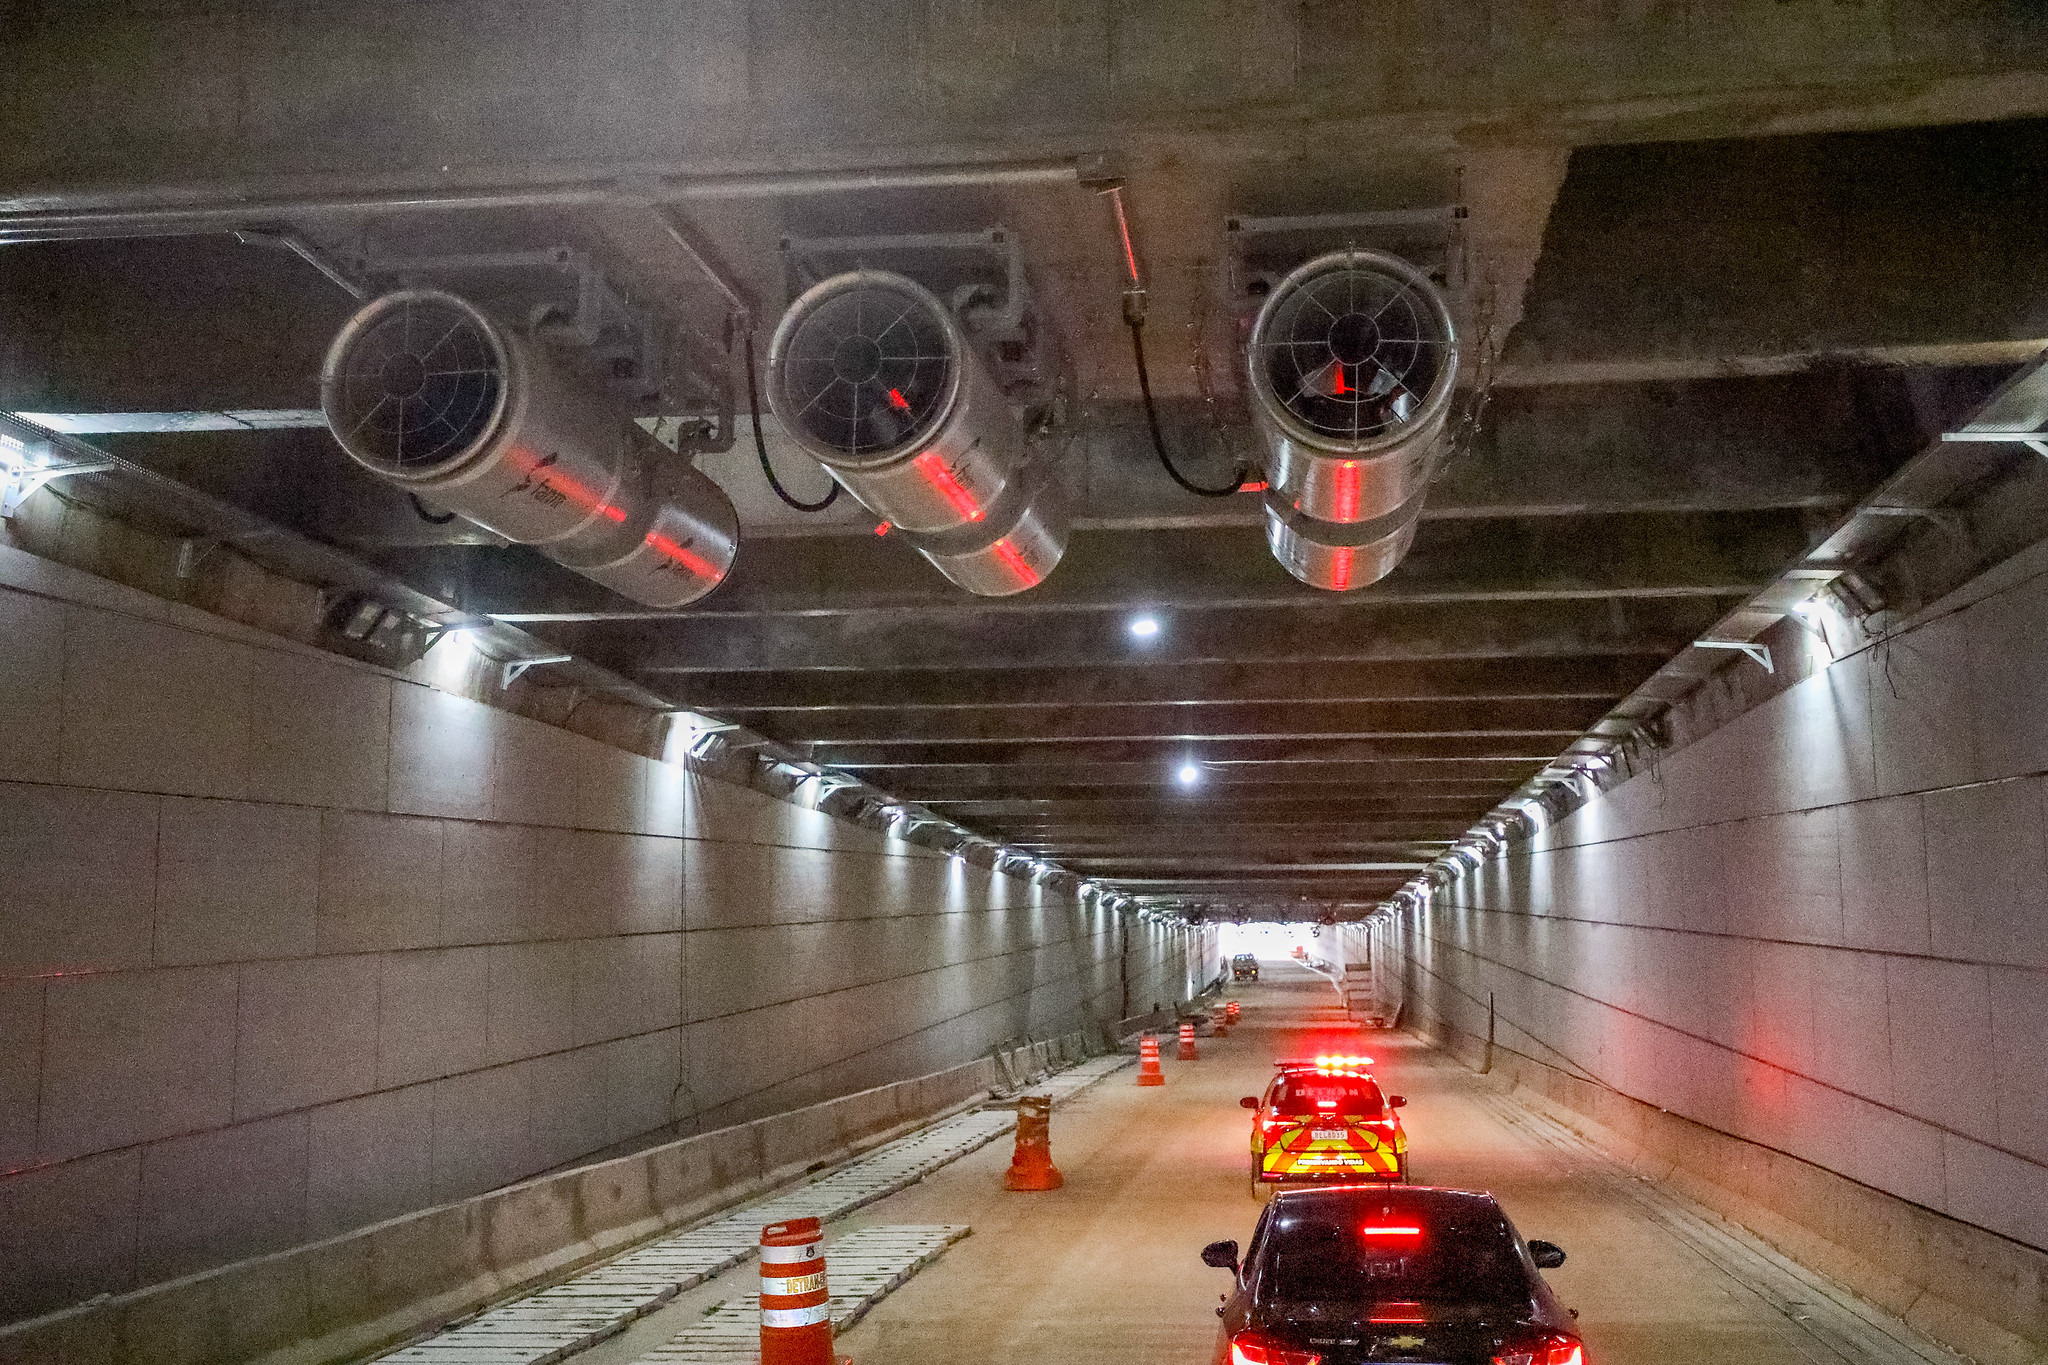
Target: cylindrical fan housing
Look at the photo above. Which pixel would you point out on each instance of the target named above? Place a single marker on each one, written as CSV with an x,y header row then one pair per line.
x,y
872,375
428,392
1353,359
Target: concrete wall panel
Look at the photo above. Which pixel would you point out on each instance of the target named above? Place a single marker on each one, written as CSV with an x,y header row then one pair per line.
x,y
132,1056
239,1191
21,1071
305,1033
150,707
433,1010
67,1232
235,880
290,945
1821,928
80,872
31,688
342,760
380,882
369,1159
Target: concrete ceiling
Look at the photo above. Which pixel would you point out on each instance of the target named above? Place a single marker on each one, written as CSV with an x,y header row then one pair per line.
x,y
1731,281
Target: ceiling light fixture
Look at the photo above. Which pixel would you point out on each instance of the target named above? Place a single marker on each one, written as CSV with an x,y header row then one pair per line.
x,y
1189,774
1145,627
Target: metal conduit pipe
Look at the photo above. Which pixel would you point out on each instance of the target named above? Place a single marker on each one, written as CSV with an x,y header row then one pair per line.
x,y
152,212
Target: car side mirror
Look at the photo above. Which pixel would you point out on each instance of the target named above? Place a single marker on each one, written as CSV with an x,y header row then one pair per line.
x,y
1547,1255
1396,1101
1248,1102
1223,1255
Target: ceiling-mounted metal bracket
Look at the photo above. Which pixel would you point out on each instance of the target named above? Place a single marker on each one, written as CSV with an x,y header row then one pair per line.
x,y
801,257
625,337
1760,653
1441,225
514,668
2036,441
26,466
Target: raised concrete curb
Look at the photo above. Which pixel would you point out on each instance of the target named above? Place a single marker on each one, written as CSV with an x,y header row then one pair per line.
x,y
369,1290
1982,1295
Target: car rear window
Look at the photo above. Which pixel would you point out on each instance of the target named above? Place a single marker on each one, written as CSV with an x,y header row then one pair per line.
x,y
1342,1096
1335,1257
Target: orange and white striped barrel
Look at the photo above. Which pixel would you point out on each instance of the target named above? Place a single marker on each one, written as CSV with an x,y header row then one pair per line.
x,y
796,1308
1187,1042
1148,1061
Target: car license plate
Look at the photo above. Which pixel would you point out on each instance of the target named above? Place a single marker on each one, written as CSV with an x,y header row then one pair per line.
x,y
1330,1134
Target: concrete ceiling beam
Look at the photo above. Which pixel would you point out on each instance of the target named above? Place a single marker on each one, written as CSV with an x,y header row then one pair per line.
x,y
1135,682
914,724
1325,629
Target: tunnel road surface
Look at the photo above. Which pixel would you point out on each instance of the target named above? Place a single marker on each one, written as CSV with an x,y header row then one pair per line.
x,y
1107,1268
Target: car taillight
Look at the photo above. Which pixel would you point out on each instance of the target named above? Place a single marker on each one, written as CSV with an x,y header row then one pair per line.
x,y
1256,1348
1544,1348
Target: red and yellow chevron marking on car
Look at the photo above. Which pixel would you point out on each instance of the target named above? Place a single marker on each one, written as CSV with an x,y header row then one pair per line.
x,y
1317,1148
1326,1120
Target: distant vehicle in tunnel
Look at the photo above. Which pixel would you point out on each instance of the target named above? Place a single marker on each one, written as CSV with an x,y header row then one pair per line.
x,y
1324,1120
1362,1273
1244,967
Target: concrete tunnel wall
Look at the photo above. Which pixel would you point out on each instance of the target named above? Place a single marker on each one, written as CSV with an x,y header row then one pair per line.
x,y
290,944
1821,929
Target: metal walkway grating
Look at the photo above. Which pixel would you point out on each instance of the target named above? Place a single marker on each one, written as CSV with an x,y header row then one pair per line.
x,y
862,1268
553,1324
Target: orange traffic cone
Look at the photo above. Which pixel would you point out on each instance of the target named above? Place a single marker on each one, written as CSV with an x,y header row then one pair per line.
x,y
1148,1061
1187,1042
1031,1168
1231,1011
796,1308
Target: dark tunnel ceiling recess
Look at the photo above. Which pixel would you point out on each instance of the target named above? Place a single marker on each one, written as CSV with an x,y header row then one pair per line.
x,y
1722,347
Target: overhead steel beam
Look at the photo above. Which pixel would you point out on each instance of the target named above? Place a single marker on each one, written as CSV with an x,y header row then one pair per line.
x,y
1169,571
156,211
1134,681
1228,869
1339,786
1309,633
1528,748
911,723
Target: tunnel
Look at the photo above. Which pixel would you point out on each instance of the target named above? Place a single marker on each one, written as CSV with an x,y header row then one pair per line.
x,y
625,624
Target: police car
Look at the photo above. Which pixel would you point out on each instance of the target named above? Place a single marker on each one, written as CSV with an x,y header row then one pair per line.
x,y
1325,1120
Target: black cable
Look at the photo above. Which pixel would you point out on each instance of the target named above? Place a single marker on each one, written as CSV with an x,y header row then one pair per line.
x,y
427,516
761,446
1152,420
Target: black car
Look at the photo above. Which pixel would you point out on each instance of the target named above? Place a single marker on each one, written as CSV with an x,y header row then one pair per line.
x,y
1244,967
1406,1273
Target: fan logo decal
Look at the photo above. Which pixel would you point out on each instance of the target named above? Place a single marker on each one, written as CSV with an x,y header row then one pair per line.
x,y
537,484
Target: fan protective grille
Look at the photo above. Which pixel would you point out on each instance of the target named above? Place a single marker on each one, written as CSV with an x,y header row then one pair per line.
x,y
1354,350
866,368
417,386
